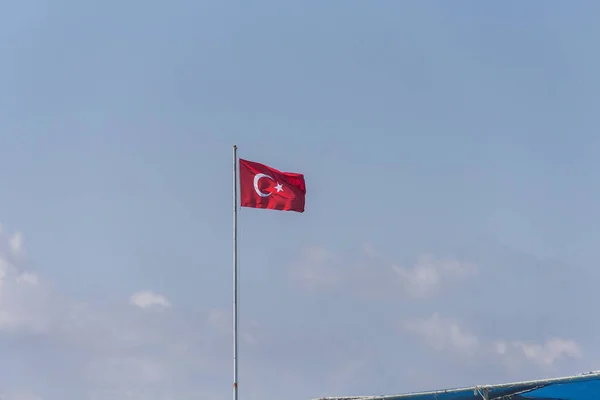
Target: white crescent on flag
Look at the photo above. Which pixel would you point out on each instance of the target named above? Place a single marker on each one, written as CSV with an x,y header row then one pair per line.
x,y
257,179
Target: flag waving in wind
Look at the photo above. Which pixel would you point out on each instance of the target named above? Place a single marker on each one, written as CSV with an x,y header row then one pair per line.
x,y
260,186
265,187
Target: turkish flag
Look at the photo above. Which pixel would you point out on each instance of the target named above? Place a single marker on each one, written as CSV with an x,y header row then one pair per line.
x,y
265,187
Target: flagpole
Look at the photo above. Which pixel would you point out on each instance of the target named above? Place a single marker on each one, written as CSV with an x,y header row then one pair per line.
x,y
235,277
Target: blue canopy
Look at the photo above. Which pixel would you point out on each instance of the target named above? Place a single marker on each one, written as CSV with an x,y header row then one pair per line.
x,y
580,387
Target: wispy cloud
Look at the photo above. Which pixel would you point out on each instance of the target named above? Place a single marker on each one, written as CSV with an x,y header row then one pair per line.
x,y
147,299
16,242
449,335
123,351
102,347
542,353
428,274
473,326
443,334
22,305
368,272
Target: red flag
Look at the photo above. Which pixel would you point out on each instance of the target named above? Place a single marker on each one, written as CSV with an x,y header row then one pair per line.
x,y
265,187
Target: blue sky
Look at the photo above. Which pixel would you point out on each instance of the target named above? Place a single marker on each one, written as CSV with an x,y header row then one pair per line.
x,y
451,160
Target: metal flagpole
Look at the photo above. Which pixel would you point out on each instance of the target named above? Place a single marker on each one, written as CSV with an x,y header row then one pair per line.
x,y
235,277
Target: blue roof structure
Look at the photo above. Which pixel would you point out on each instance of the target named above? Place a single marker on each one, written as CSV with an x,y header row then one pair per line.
x,y
579,387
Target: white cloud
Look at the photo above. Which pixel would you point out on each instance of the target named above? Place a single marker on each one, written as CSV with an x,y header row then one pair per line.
x,y
318,268
16,242
428,274
370,273
97,351
29,278
100,351
146,299
443,334
446,334
21,300
545,353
